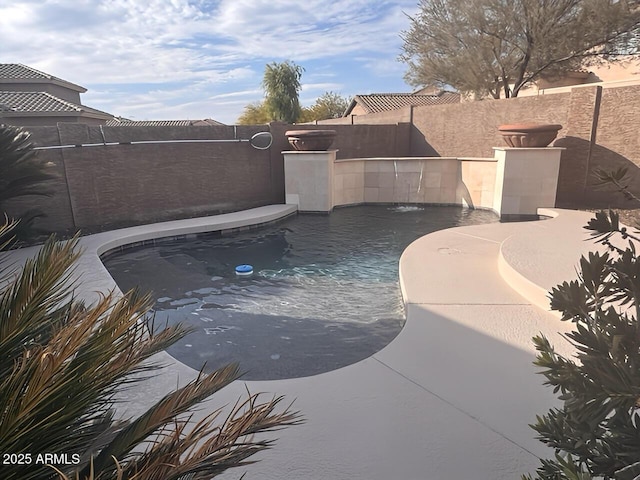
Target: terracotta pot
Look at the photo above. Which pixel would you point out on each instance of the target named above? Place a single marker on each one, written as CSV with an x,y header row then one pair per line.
x,y
308,140
529,135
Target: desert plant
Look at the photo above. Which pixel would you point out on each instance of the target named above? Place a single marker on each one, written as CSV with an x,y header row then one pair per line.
x,y
22,172
62,364
596,432
617,179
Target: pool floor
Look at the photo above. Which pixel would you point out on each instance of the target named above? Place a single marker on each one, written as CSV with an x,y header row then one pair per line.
x,y
324,293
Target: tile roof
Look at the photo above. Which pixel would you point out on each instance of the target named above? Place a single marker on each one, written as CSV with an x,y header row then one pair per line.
x,y
382,102
13,72
123,122
42,103
17,70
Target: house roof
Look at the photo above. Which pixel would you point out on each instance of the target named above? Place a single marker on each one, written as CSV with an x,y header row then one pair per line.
x,y
14,104
123,122
383,102
18,73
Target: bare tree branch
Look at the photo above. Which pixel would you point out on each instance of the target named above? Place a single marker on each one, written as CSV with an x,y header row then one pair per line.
x,y
488,46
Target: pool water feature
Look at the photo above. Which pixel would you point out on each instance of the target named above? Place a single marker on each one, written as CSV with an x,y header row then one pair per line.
x,y
324,292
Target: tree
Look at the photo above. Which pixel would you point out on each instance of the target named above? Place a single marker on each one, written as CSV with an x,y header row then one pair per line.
x,y
281,83
497,47
596,432
328,105
63,362
254,114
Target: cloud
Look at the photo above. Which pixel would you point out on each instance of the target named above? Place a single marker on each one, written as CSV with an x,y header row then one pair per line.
x,y
241,94
305,30
180,49
322,87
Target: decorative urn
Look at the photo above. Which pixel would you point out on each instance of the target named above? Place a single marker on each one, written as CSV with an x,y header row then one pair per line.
x,y
308,140
529,135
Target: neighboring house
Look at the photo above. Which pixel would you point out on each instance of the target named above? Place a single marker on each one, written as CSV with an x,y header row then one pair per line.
x,y
605,75
29,97
383,102
123,122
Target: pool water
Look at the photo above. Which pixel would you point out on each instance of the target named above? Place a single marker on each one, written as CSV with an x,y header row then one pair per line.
x,y
324,293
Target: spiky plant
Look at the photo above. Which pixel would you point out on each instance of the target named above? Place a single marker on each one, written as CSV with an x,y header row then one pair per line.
x,y
62,363
596,432
22,173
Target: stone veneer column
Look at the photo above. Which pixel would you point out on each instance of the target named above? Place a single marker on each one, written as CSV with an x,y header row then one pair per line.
x,y
526,179
308,179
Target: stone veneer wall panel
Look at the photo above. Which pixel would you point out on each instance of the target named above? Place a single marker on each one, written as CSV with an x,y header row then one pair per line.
x,y
404,180
526,179
477,183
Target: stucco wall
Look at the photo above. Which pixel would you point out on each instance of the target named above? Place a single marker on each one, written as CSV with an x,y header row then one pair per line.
x,y
147,183
355,141
110,186
103,187
471,129
617,141
601,134
608,75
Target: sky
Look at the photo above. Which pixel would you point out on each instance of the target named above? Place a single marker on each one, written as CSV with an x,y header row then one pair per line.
x,y
196,59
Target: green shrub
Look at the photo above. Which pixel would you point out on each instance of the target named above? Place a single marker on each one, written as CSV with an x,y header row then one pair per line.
x,y
596,432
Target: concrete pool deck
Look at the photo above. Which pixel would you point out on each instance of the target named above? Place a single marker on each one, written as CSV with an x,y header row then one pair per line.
x,y
450,398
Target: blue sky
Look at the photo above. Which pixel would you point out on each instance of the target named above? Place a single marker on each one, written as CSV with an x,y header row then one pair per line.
x,y
194,59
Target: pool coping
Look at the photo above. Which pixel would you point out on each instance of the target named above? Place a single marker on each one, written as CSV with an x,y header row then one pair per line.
x,y
416,404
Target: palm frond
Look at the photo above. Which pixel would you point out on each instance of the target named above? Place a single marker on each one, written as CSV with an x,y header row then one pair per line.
x,y
32,304
6,234
21,171
63,362
168,408
209,448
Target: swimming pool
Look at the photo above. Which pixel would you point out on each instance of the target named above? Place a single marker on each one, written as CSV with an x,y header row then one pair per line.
x,y
324,293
